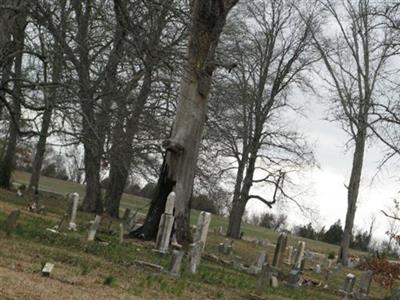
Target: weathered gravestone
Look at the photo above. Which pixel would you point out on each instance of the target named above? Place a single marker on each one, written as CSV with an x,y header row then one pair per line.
x,y
11,222
203,222
289,255
255,269
348,285
364,285
47,268
93,228
294,278
279,250
195,256
317,268
176,262
299,254
225,247
166,225
74,200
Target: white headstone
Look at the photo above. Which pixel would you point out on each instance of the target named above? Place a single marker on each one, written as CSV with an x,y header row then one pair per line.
x,y
93,228
48,267
170,204
164,232
299,254
75,202
203,223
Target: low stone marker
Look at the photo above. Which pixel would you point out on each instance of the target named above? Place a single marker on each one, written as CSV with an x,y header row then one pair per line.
x,y
176,262
364,285
294,278
12,221
203,224
166,225
264,279
262,257
195,256
48,267
348,285
93,228
317,268
225,247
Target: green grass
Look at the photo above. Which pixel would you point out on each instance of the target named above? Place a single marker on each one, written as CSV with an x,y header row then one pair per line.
x,y
113,265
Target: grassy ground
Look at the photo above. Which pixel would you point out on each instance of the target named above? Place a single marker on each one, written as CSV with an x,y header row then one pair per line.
x,y
95,271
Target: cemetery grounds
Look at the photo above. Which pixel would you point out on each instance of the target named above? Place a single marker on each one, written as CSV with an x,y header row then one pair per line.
x,y
106,269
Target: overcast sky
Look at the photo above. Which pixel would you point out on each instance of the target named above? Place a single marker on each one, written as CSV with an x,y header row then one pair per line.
x,y
326,183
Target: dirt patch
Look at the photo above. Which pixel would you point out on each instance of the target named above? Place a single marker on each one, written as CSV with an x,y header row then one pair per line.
x,y
18,285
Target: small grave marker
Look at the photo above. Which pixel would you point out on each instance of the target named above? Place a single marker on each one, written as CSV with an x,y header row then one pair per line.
x,y
347,289
93,228
48,267
176,262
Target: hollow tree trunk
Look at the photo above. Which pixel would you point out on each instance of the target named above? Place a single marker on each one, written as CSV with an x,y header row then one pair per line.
x,y
352,195
7,163
208,20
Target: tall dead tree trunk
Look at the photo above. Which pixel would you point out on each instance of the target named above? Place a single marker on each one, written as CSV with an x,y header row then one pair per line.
x,y
7,163
208,20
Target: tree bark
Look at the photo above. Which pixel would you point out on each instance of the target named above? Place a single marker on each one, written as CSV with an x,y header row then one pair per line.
x,y
352,195
7,163
208,20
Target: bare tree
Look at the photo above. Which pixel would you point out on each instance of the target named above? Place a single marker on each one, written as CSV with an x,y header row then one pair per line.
x,y
355,59
272,48
207,21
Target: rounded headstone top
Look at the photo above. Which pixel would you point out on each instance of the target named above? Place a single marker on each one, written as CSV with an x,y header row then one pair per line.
x,y
170,204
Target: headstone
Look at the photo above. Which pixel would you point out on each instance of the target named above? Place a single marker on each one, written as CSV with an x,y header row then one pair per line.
x,y
302,264
261,259
289,255
317,269
11,221
294,278
257,267
93,228
166,225
176,262
329,265
121,233
75,202
364,285
225,247
347,289
195,256
279,250
220,230
263,279
164,233
19,193
48,267
170,204
203,223
274,282
299,254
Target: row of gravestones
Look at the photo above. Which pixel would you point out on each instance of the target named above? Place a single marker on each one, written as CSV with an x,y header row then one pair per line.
x,y
165,232
269,274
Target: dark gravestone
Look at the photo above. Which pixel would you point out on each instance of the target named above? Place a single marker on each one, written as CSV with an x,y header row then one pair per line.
x,y
294,278
11,222
348,285
364,285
